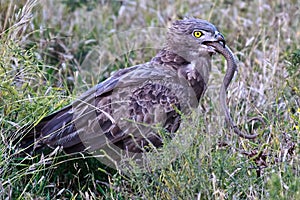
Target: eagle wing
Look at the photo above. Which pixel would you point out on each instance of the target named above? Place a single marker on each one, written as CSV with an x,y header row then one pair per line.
x,y
128,110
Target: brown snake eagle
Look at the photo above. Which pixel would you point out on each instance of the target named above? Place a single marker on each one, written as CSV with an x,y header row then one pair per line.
x,y
123,109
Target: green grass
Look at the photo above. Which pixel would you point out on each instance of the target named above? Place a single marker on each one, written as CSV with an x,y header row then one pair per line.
x,y
49,55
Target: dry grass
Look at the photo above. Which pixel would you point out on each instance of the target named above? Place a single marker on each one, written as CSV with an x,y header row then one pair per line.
x,y
50,54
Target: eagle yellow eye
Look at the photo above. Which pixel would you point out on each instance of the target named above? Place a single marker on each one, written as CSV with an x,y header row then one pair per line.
x,y
197,34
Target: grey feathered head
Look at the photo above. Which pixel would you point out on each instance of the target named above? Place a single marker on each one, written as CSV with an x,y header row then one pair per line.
x,y
192,36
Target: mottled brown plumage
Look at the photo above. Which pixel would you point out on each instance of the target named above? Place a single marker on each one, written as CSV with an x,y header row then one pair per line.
x,y
130,109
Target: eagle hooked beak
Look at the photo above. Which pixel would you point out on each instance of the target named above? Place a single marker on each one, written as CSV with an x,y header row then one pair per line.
x,y
217,41
220,38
